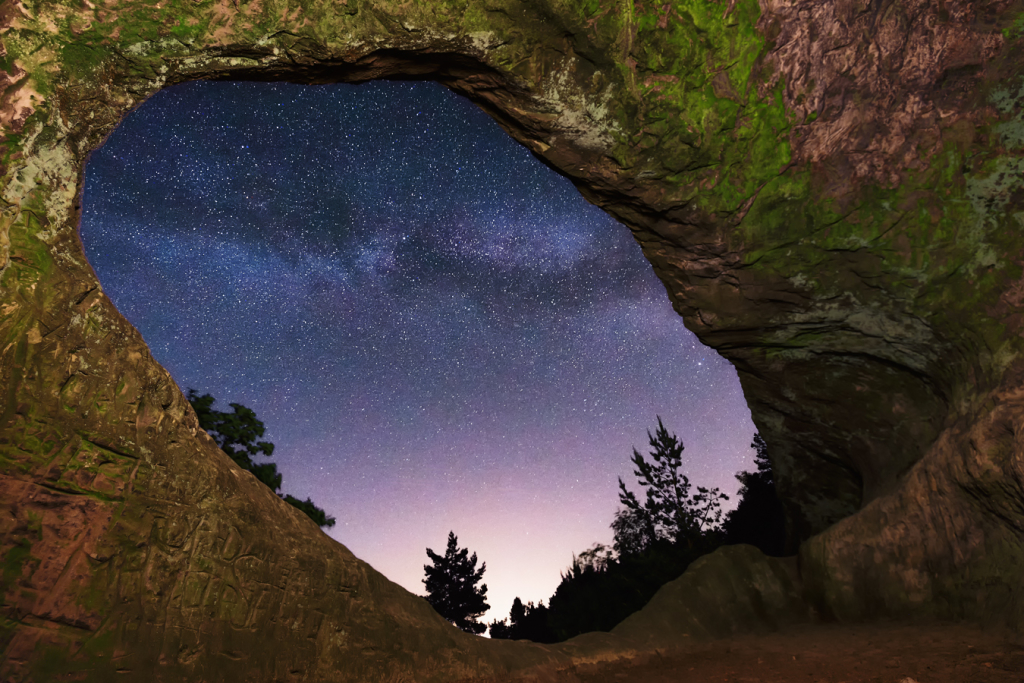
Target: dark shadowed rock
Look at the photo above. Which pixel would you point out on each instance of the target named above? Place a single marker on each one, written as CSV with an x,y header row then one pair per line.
x,y
736,589
831,191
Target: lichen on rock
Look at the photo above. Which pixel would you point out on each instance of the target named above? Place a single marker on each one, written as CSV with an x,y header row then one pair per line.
x,y
831,191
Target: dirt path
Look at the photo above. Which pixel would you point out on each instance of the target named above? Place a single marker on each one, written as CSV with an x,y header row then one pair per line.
x,y
831,653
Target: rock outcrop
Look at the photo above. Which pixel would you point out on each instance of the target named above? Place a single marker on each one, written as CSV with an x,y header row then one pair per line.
x,y
831,190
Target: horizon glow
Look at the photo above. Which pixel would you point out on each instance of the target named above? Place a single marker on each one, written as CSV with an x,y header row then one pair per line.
x,y
438,331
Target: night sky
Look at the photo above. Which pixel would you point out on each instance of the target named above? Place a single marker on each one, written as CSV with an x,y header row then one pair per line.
x,y
438,331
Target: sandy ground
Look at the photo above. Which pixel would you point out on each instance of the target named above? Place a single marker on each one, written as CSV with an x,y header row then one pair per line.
x,y
833,653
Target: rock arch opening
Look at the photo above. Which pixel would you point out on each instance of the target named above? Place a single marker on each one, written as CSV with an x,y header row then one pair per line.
x,y
438,331
847,236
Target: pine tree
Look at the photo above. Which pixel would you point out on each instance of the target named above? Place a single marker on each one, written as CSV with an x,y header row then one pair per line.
x,y
236,433
759,518
451,586
669,511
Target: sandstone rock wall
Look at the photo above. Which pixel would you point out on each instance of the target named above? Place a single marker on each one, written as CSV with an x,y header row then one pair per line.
x,y
831,191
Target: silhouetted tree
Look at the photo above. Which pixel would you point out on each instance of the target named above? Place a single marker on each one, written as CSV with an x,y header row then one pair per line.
x,y
525,622
634,531
597,557
236,433
312,511
451,586
758,518
601,589
669,511
501,630
656,539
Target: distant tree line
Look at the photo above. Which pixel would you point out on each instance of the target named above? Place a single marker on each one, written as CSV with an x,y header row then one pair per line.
x,y
237,434
656,536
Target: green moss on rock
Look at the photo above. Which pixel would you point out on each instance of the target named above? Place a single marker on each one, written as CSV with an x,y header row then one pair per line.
x,y
871,295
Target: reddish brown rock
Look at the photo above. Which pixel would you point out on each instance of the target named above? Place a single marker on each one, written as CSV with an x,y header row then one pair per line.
x,y
831,191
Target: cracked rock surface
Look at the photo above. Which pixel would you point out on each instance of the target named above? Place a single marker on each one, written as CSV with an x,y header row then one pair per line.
x,y
832,192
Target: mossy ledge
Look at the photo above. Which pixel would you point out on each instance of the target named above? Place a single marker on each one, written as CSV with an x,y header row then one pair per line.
x,y
830,190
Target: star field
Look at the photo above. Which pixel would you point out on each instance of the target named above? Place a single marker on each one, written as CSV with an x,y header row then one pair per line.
x,y
438,331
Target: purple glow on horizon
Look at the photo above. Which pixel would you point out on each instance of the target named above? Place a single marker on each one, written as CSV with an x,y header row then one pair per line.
x,y
438,331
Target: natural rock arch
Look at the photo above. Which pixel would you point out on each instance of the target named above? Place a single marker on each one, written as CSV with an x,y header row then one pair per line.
x,y
830,189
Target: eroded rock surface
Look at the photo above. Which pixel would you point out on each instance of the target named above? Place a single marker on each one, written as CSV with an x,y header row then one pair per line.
x,y
831,191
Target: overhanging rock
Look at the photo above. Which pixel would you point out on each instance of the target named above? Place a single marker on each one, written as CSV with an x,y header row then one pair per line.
x,y
831,191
